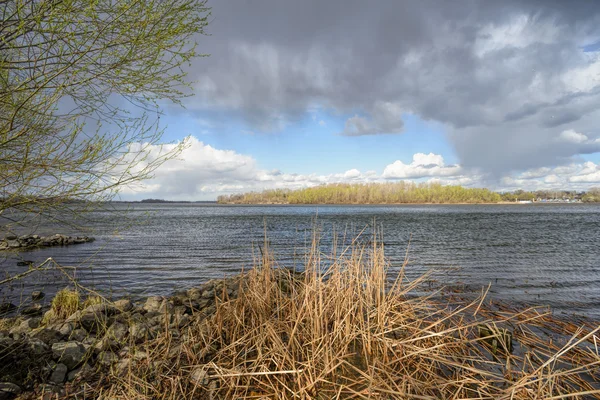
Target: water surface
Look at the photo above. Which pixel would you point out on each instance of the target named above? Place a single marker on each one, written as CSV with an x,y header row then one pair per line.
x,y
535,254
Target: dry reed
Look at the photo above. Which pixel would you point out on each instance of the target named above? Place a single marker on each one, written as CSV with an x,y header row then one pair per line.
x,y
341,329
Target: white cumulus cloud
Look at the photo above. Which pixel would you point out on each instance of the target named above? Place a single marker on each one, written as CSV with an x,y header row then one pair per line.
x,y
422,165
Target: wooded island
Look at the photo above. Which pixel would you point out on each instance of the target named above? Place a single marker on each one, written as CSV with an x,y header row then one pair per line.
x,y
400,193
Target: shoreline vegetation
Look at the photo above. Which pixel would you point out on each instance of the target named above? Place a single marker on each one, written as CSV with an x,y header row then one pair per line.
x,y
403,193
343,327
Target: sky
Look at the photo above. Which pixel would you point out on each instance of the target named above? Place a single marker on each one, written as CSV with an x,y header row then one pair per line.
x,y
497,94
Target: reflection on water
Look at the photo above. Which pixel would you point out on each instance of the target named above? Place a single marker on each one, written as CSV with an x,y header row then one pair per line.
x,y
539,254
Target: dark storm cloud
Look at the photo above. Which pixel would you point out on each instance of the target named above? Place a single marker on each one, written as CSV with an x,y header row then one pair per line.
x,y
506,78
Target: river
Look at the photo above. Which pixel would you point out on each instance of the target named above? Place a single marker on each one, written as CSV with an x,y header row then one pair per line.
x,y
529,253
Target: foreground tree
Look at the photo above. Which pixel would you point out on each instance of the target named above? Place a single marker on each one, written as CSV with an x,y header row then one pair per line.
x,y
80,86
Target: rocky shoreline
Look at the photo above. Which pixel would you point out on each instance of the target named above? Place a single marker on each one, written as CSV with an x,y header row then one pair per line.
x,y
30,242
43,355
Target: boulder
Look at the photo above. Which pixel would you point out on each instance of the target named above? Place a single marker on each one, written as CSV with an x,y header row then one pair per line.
x,y
37,346
104,308
79,335
69,353
117,331
139,331
37,295
107,358
94,318
26,326
79,372
124,305
47,335
122,366
194,293
13,244
34,309
66,328
166,307
9,390
59,374
153,303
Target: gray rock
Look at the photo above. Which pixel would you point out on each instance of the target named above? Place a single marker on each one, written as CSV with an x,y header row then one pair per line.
x,y
124,305
202,304
101,308
107,358
37,295
183,321
158,319
9,390
79,335
26,326
208,294
11,237
34,309
47,335
122,366
49,316
37,346
94,318
174,351
66,329
103,344
194,293
117,331
89,340
139,331
80,372
59,374
13,244
179,298
69,353
153,303
210,310
166,307
179,310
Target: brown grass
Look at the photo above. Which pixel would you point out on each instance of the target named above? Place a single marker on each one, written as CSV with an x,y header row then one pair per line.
x,y
345,331
65,303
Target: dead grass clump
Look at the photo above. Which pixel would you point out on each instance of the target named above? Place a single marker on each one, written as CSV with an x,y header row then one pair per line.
x,y
65,303
6,323
345,331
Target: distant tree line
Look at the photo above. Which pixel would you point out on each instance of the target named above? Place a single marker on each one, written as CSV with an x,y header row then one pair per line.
x,y
592,196
370,193
400,193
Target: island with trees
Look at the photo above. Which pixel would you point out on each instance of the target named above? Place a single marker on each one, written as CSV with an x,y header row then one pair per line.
x,y
402,193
